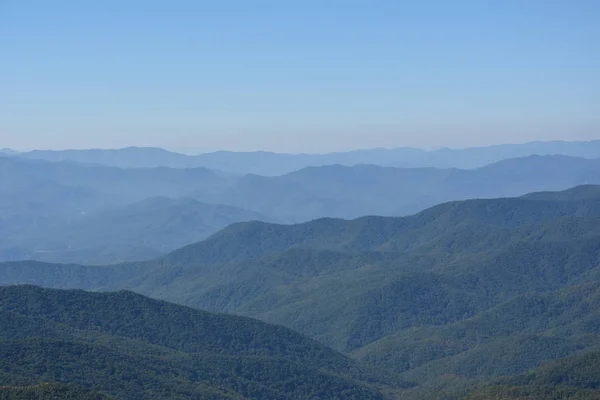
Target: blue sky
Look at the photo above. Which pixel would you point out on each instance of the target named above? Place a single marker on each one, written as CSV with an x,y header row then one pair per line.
x,y
297,76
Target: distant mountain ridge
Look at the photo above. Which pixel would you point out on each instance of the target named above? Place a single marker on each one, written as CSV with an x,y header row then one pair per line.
x,y
351,192
313,192
45,207
273,164
142,230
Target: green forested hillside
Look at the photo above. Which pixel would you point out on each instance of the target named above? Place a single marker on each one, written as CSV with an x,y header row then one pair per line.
x,y
352,283
534,393
567,318
578,193
45,391
127,345
574,378
581,370
456,295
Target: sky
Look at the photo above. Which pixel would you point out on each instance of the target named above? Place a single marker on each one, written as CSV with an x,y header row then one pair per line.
x,y
297,76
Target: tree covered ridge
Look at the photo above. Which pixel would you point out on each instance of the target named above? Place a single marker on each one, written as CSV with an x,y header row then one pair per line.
x,y
574,378
124,344
472,290
48,391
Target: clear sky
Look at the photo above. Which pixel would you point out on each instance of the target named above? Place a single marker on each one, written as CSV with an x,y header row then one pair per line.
x,y
299,76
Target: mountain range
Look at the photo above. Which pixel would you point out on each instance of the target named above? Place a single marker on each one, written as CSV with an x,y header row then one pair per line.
x,y
141,230
272,164
73,212
351,192
455,298
129,346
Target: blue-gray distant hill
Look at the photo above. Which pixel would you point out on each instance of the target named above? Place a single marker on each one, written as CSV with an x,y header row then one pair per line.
x,y
120,184
272,164
32,191
67,211
73,212
350,192
137,231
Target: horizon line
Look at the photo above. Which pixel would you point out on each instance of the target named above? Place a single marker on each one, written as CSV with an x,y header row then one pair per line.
x,y
177,150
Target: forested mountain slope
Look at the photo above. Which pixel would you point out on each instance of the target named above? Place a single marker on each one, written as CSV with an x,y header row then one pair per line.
x,y
126,345
476,289
571,378
49,391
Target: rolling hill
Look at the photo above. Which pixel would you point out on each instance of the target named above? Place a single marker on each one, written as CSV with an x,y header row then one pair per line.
x,y
137,231
572,378
373,285
49,391
474,290
351,192
125,345
121,185
314,192
69,212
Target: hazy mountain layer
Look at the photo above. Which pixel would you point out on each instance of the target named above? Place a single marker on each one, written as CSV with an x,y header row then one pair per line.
x,y
331,191
271,164
351,192
69,212
142,230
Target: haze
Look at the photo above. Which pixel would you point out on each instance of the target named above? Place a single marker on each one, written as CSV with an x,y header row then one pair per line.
x,y
307,76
